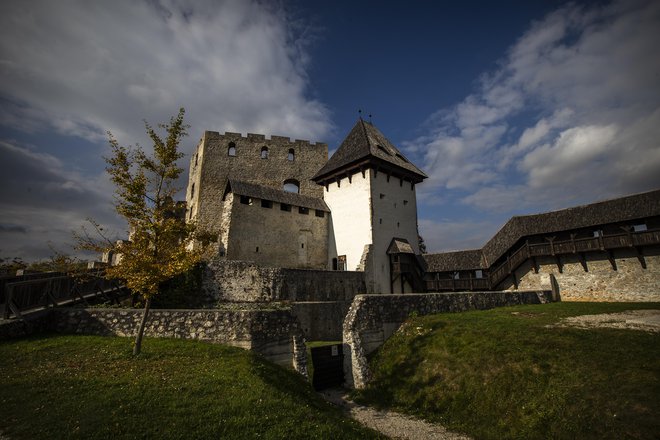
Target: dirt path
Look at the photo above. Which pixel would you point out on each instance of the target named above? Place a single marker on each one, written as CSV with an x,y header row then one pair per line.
x,y
645,320
390,423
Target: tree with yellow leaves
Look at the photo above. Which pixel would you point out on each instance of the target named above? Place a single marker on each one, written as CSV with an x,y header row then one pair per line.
x,y
158,246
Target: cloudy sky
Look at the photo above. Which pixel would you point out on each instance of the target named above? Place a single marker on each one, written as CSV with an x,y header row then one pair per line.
x,y
509,107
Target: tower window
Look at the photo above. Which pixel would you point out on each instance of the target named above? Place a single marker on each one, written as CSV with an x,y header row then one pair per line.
x,y
266,203
231,151
292,155
192,191
285,207
245,200
382,196
264,152
303,210
320,214
405,202
380,221
292,186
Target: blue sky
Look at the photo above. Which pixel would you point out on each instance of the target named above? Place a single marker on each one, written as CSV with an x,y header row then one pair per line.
x,y
509,107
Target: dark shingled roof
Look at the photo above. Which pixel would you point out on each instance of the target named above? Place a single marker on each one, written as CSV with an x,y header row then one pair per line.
x,y
400,246
459,260
366,143
624,209
275,195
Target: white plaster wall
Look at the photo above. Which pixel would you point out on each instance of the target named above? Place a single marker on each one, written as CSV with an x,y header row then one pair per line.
x,y
394,215
350,205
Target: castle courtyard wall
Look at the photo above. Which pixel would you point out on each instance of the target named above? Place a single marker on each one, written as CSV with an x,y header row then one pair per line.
x,y
629,282
244,281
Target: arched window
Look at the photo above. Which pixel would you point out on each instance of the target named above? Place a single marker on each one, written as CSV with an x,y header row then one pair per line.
x,y
292,155
264,152
292,186
231,151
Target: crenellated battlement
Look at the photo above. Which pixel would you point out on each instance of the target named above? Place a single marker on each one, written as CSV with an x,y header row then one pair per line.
x,y
256,137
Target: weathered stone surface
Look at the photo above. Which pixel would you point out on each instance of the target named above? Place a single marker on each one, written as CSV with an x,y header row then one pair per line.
x,y
268,332
247,282
374,318
600,282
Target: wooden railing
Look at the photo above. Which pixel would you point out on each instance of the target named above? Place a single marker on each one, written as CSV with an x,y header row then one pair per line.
x,y
551,248
24,296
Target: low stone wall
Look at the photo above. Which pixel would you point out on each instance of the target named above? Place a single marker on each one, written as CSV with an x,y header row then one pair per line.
x,y
321,320
374,318
275,334
241,281
599,282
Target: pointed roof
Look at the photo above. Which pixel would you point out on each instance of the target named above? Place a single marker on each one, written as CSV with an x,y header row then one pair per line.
x,y
365,144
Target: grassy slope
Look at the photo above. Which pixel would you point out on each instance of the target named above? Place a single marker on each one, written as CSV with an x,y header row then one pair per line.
x,y
91,387
503,374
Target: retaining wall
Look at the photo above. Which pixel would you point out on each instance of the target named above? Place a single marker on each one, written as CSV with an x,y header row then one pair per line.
x,y
242,281
275,334
372,319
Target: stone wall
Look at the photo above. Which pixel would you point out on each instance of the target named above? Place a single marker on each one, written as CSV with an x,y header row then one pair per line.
x,y
273,237
275,334
211,166
374,318
600,282
321,320
241,281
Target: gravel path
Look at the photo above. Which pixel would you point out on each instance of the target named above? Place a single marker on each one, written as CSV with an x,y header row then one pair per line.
x,y
645,320
390,423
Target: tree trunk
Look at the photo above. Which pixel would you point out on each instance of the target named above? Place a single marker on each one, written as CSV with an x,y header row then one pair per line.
x,y
138,339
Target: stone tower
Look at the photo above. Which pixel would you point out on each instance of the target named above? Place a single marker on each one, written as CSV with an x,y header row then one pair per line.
x,y
271,163
369,187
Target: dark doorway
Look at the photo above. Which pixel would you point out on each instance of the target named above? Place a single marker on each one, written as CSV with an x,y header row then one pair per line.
x,y
328,364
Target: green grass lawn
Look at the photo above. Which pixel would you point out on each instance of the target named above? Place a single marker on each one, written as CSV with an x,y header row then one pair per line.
x,y
503,374
92,387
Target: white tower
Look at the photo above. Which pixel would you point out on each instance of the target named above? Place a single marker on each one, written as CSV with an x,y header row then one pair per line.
x,y
370,190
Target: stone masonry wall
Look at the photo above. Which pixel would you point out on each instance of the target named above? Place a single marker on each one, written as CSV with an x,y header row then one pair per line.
x,y
630,282
275,334
374,318
211,166
240,281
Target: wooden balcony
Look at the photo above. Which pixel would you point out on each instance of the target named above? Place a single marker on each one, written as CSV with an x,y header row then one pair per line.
x,y
604,243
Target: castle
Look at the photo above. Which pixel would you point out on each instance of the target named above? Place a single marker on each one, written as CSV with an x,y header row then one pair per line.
x,y
283,204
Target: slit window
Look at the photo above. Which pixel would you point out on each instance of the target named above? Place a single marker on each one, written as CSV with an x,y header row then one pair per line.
x,y
266,203
303,210
319,213
285,207
231,150
292,155
264,152
192,191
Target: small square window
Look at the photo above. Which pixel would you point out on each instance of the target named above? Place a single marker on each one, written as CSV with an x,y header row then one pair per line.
x,y
405,202
318,213
303,210
478,273
382,196
285,207
246,200
266,204
640,228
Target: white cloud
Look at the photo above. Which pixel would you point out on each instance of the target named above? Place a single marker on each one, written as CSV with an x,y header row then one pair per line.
x,y
570,116
86,67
